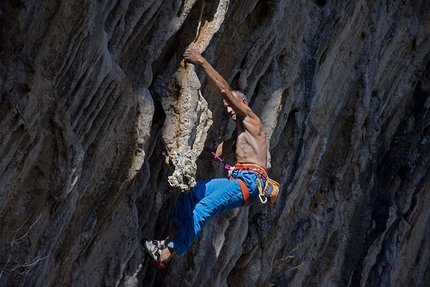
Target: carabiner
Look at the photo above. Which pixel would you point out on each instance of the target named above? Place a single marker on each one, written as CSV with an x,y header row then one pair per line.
x,y
263,199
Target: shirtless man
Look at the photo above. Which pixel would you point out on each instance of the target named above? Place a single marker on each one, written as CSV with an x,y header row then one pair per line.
x,y
212,197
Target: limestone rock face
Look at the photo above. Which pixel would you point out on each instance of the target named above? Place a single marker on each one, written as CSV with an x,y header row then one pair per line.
x,y
101,124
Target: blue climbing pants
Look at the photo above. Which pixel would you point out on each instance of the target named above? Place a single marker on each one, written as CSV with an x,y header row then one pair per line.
x,y
208,199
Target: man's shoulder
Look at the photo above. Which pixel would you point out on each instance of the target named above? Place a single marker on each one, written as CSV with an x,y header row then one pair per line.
x,y
252,118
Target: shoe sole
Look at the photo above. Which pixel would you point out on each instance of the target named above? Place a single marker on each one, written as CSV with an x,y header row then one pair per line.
x,y
158,264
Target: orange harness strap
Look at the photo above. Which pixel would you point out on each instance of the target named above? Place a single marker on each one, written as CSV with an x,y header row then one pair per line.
x,y
245,192
254,167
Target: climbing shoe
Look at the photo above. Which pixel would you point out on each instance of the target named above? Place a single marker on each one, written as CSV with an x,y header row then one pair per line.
x,y
151,244
155,249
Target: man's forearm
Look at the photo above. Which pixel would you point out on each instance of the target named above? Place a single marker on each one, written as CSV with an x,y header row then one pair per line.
x,y
215,79
217,82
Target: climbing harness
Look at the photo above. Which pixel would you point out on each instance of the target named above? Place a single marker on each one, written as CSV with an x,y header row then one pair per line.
x,y
271,188
268,192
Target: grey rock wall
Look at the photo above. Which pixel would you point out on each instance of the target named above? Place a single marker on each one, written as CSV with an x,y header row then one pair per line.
x,y
101,123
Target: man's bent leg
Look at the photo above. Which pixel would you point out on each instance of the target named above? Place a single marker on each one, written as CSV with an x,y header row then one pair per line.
x,y
183,210
221,195
186,203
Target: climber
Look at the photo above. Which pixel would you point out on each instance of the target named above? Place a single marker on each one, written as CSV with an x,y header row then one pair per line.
x,y
212,197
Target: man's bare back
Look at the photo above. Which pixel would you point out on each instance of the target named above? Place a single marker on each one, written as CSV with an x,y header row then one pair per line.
x,y
248,142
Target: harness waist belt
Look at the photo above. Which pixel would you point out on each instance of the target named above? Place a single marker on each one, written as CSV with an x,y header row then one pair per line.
x,y
261,170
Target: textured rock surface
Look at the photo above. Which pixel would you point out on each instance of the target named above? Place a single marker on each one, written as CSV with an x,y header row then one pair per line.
x,y
99,114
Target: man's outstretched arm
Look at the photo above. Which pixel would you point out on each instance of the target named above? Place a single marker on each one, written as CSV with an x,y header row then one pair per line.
x,y
215,79
217,82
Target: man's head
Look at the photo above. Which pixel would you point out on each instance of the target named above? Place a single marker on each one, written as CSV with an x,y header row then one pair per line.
x,y
241,97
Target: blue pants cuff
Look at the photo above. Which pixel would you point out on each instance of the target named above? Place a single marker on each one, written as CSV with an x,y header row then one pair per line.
x,y
179,251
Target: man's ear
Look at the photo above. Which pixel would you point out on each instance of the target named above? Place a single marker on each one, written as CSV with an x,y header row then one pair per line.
x,y
245,101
